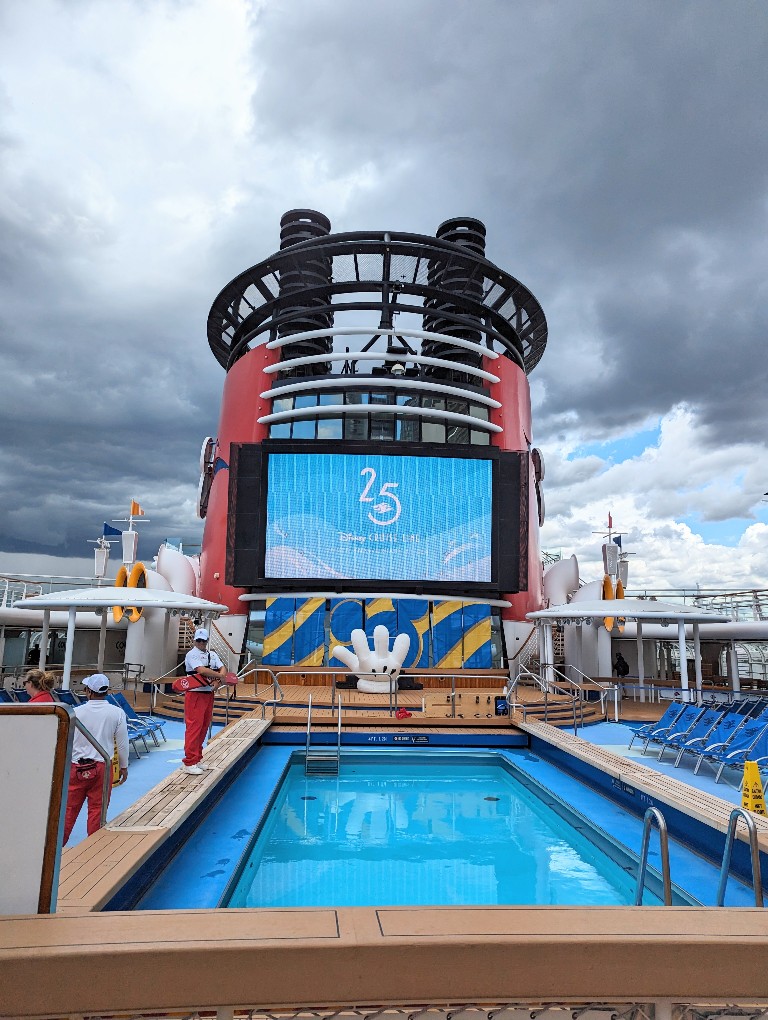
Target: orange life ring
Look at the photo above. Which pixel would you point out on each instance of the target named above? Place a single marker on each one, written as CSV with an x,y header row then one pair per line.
x,y
120,582
608,594
136,579
620,595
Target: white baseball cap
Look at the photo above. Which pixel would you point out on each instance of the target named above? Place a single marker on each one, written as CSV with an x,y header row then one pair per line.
x,y
201,634
98,683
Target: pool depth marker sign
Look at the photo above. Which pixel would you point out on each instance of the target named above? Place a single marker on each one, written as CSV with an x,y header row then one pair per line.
x,y
752,797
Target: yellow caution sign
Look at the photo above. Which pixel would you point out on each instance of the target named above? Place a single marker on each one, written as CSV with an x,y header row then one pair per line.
x,y
752,797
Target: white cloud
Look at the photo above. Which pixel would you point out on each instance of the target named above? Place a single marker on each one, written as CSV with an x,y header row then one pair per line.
x,y
648,494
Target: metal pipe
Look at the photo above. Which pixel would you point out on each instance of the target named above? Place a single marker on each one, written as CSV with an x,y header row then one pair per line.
x,y
651,815
757,881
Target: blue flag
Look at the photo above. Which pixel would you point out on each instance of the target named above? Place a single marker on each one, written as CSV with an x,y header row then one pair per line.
x,y
617,540
109,531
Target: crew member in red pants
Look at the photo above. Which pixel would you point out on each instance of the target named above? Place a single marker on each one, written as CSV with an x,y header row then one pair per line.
x,y
198,704
108,726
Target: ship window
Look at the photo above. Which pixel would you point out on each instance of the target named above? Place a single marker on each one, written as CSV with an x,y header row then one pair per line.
x,y
329,428
280,430
306,400
355,426
438,403
304,429
330,398
382,426
433,432
478,411
283,404
478,438
407,428
383,398
357,397
407,400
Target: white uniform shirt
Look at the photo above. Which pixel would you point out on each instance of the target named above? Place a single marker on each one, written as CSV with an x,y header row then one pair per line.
x,y
108,725
196,657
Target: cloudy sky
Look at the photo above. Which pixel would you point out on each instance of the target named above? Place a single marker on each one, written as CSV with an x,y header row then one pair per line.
x,y
617,151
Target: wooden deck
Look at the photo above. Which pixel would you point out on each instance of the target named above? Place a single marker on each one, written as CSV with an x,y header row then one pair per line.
x,y
81,961
675,793
93,871
474,706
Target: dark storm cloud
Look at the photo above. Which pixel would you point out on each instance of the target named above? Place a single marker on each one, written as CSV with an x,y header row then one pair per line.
x,y
97,407
617,153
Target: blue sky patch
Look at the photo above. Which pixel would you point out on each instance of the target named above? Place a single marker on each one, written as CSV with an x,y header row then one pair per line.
x,y
617,450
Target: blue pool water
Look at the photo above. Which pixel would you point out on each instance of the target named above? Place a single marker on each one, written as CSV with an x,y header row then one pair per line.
x,y
417,834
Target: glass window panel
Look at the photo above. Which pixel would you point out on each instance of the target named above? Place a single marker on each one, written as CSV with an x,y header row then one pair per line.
x,y
478,411
407,428
283,404
387,397
478,438
382,426
356,397
280,430
437,403
304,429
355,426
457,406
458,434
331,398
433,432
329,428
407,400
306,400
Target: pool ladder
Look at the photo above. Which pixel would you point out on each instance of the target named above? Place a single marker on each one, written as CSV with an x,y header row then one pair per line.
x,y
322,760
654,815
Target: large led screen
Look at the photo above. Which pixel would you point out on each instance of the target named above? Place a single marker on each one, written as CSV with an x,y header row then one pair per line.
x,y
378,516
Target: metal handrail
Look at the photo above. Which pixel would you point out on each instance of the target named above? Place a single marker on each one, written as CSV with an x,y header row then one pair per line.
x,y
552,686
725,867
605,689
651,815
309,728
338,740
452,675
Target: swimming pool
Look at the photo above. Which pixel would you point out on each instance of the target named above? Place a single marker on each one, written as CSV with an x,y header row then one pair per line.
x,y
426,832
204,860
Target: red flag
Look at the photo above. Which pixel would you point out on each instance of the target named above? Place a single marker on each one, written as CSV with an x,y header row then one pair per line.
x,y
610,520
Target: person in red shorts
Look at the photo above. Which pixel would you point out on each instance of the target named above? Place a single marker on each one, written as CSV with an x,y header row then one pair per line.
x,y
108,726
198,704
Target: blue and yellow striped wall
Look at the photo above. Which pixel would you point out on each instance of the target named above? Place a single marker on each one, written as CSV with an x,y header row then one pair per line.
x,y
447,635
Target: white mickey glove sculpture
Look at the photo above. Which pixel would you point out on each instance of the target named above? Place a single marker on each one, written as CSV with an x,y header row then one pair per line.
x,y
379,669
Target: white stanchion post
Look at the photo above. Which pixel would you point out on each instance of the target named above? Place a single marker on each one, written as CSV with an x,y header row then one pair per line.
x,y
683,660
44,639
65,682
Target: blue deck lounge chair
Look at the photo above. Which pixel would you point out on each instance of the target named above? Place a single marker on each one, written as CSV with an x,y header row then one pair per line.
x,y
19,694
672,712
736,716
737,749
135,729
682,723
755,752
66,697
152,724
702,727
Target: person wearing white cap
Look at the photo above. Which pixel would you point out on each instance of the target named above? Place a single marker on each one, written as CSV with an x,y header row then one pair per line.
x,y
108,725
198,703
